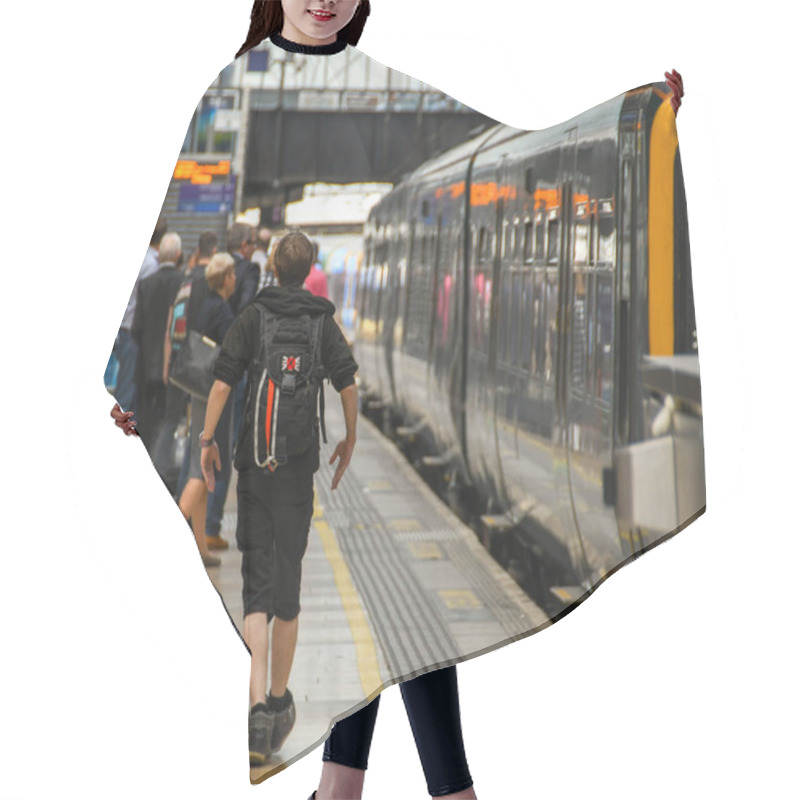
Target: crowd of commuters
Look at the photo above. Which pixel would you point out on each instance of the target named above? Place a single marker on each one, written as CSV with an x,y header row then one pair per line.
x,y
275,506
173,294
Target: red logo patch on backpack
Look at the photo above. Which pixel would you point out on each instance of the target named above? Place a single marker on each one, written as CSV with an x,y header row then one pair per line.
x,y
291,364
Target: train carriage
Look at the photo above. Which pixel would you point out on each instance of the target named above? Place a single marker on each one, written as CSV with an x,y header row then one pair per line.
x,y
527,325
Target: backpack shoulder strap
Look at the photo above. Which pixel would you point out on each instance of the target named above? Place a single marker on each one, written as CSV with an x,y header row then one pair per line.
x,y
317,327
316,343
268,323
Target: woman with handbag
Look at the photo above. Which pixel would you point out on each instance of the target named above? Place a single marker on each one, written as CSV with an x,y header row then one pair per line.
x,y
213,321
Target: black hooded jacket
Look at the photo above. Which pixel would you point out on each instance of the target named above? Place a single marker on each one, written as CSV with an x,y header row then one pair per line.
x,y
240,344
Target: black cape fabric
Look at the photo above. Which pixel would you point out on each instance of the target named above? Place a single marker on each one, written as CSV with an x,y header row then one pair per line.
x,y
523,328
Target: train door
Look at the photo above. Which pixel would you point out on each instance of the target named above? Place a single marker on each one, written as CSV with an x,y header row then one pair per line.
x,y
632,323
444,332
631,292
376,301
491,446
391,308
364,344
569,481
588,415
383,311
507,370
401,330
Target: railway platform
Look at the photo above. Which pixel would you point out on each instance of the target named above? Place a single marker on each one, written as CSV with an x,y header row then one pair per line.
x,y
393,584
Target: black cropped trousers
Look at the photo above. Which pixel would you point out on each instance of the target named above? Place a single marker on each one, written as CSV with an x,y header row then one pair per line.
x,y
431,702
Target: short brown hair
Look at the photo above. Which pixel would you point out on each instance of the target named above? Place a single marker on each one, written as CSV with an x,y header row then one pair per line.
x,y
207,243
294,255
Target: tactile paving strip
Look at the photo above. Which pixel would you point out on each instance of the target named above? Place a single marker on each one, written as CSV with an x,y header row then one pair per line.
x,y
410,633
507,613
430,535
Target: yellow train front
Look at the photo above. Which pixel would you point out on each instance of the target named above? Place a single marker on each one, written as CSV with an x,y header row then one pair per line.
x,y
525,330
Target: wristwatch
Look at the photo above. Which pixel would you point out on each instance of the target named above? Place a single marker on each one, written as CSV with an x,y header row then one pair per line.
x,y
206,442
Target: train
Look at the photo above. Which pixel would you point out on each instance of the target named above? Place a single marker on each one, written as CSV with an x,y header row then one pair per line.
x,y
525,330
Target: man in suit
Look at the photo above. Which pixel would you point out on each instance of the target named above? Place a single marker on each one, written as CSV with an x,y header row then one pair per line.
x,y
242,244
153,301
125,347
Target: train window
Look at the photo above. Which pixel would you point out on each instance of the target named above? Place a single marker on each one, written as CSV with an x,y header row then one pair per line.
x,y
604,364
606,240
372,300
578,331
441,293
475,312
508,239
381,282
593,239
580,255
487,308
449,300
505,306
419,298
515,320
407,272
481,297
538,327
361,291
552,236
539,248
591,324
517,239
527,250
530,181
626,229
550,329
527,320
482,245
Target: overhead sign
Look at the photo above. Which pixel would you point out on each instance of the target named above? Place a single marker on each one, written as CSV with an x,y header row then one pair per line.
x,y
198,172
209,198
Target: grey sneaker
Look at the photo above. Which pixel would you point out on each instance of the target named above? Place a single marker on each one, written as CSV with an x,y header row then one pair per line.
x,y
284,722
260,726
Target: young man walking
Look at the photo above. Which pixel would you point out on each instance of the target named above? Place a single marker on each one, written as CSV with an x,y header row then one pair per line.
x,y
275,339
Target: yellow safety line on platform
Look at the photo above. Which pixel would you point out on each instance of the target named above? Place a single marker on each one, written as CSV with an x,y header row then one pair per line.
x,y
366,652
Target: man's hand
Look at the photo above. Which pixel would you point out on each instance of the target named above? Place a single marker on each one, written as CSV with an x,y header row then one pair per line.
x,y
209,458
675,83
124,420
343,451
